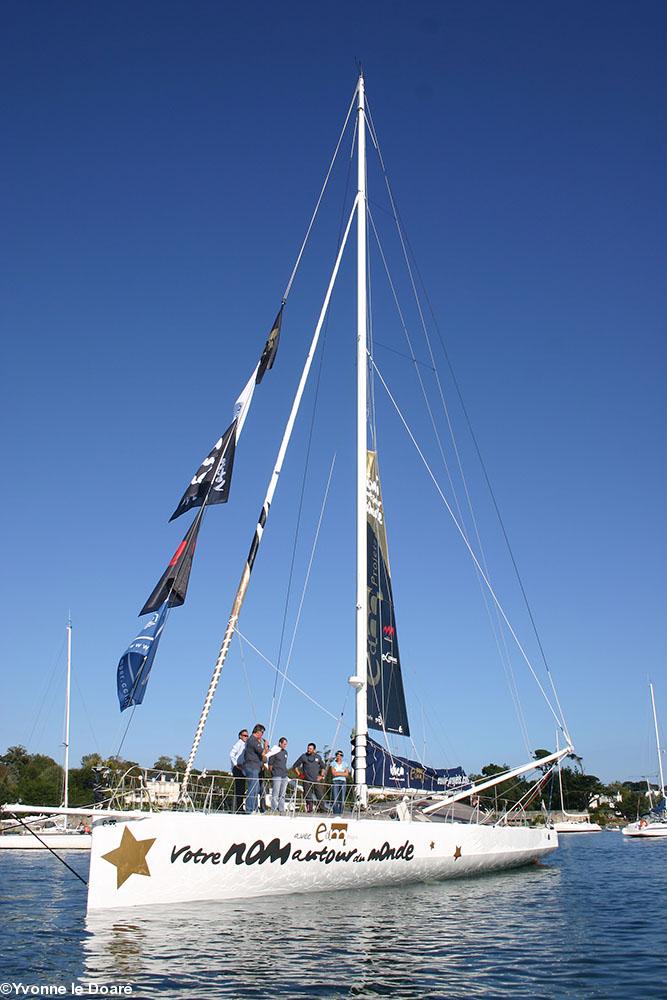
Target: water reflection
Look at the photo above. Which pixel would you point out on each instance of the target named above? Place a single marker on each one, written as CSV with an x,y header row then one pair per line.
x,y
399,941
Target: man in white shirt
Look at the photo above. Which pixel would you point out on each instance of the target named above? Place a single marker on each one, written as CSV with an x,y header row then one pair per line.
x,y
237,769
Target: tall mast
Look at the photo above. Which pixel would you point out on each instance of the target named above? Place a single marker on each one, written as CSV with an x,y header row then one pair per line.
x,y
67,700
657,740
360,678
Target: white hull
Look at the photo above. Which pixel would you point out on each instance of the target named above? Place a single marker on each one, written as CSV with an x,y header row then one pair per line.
x,y
56,841
647,830
567,826
182,857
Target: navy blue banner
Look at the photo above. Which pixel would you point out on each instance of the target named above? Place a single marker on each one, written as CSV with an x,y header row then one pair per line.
x,y
136,662
385,770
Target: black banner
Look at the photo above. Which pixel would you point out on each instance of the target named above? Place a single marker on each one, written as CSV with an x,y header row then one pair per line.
x,y
173,584
385,770
270,347
387,711
213,478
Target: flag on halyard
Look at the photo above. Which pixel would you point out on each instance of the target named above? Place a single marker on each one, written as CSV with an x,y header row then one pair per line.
x,y
212,480
136,662
173,584
270,347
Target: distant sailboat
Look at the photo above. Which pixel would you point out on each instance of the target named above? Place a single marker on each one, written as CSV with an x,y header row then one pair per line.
x,y
571,822
52,831
654,823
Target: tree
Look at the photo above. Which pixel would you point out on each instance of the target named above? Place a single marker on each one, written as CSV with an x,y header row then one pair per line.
x,y
579,789
506,793
163,763
538,755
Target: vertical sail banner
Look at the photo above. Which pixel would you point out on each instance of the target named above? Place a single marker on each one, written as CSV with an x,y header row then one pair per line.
x,y
386,700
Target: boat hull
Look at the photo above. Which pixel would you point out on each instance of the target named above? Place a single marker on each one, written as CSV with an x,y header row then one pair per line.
x,y
180,857
566,827
652,830
56,841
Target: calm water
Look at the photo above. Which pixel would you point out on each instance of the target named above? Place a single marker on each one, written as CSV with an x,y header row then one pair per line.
x,y
590,923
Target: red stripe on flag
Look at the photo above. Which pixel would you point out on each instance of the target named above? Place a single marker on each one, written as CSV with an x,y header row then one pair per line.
x,y
178,553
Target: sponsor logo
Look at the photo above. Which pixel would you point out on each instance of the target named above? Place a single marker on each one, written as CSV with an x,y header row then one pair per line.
x,y
220,476
389,631
333,831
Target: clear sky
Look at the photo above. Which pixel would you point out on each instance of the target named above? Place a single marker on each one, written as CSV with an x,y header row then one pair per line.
x,y
159,165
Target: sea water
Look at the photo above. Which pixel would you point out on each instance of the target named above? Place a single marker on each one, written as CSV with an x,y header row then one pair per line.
x,y
590,922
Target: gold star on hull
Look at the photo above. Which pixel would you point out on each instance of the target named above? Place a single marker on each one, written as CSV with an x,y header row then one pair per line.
x,y
129,857
457,853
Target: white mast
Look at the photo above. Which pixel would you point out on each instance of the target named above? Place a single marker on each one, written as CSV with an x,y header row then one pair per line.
x,y
67,700
358,681
657,740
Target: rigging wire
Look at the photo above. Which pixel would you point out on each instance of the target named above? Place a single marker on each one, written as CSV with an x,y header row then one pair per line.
x,y
405,243
559,721
274,717
273,666
253,710
87,713
120,745
46,690
306,467
496,627
319,200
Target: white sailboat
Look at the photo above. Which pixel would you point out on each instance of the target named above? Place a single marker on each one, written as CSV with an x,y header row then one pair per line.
x,y
654,824
571,822
52,830
189,855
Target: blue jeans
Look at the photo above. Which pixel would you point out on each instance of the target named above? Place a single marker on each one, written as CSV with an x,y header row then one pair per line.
x,y
252,780
278,789
338,789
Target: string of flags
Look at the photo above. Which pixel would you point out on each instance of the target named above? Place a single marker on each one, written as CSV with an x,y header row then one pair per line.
x,y
210,485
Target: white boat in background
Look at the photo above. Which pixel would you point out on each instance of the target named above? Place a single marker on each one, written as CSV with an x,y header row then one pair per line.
x,y
654,823
189,854
572,822
47,831
574,825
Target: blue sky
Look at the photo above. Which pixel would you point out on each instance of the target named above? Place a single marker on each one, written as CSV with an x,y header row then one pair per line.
x,y
159,166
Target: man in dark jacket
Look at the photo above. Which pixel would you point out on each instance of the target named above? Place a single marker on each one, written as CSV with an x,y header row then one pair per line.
x,y
255,752
312,766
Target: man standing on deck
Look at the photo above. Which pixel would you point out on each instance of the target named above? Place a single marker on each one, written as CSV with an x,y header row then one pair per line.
x,y
255,752
276,760
312,767
236,756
